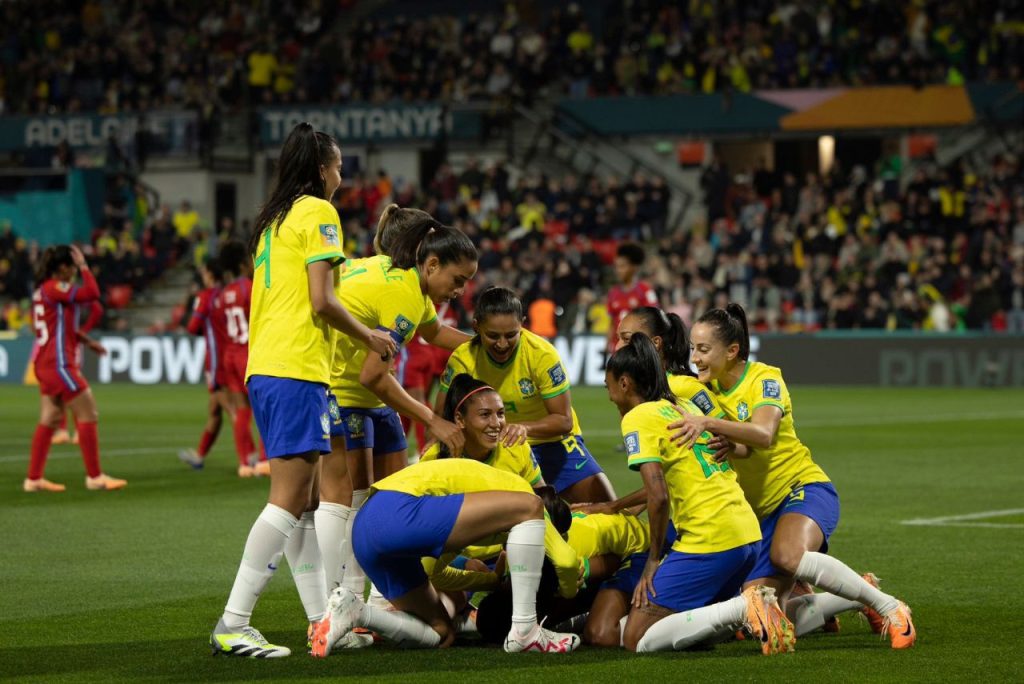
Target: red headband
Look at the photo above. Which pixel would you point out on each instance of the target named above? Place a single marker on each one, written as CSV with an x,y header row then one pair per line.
x,y
469,394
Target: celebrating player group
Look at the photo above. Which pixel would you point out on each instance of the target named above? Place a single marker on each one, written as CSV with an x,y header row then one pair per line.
x,y
507,527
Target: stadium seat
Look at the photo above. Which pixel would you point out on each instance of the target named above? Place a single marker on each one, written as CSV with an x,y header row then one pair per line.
x,y
119,296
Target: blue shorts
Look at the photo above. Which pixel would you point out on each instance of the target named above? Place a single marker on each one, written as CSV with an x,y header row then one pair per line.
x,y
818,501
628,575
379,429
394,531
291,415
685,581
566,462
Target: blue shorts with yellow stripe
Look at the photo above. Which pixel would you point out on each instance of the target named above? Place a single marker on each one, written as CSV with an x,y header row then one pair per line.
x,y
819,501
565,462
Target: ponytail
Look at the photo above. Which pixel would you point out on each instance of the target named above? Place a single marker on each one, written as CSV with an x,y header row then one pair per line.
x,y
425,238
640,360
730,326
675,342
394,221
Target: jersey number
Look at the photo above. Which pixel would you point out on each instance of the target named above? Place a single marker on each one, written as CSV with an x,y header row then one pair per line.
x,y
238,326
38,316
706,457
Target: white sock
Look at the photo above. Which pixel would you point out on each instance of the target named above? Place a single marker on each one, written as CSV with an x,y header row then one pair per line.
x,y
303,554
263,549
403,629
375,595
353,577
810,611
622,630
834,576
685,629
525,554
331,530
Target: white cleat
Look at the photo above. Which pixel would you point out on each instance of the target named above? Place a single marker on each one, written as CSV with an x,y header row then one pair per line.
x,y
541,640
245,643
191,458
343,609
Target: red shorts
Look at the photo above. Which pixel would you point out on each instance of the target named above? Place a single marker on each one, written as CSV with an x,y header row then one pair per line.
x,y
234,362
415,366
64,385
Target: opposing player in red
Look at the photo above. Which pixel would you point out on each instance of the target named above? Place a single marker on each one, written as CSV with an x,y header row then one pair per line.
x,y
61,435
55,319
630,292
212,328
232,307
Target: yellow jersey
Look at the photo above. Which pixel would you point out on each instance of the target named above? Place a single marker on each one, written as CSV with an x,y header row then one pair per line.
x,y
708,508
620,534
769,475
464,476
286,338
518,459
378,296
533,373
689,388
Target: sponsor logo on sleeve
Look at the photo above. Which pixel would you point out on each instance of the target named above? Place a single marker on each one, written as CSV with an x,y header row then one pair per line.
x,y
557,374
703,401
770,389
403,326
329,235
632,441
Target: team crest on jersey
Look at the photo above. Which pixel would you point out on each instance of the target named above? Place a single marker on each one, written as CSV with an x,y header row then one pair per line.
x,y
325,423
632,441
329,235
62,286
557,374
526,387
702,401
770,389
354,424
742,411
403,326
446,377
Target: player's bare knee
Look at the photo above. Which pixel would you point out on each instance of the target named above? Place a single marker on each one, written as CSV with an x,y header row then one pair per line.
x,y
786,559
601,635
532,508
445,631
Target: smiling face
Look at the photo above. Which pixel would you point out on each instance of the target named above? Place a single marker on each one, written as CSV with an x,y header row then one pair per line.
x,y
447,282
709,353
481,421
499,335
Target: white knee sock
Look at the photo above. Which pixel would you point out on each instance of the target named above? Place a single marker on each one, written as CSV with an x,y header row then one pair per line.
x,y
403,629
303,555
810,611
353,577
682,630
331,530
832,575
263,549
622,630
525,553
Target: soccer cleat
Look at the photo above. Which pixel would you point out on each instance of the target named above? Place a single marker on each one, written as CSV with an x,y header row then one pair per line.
x,y
246,471
343,609
874,619
900,627
60,437
541,640
262,469
245,643
766,621
191,458
41,485
104,483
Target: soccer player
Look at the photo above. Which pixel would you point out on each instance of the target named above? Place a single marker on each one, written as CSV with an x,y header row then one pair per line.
x,y
528,374
630,292
690,596
443,506
61,385
202,322
476,408
296,242
428,262
668,333
231,308
61,435
796,504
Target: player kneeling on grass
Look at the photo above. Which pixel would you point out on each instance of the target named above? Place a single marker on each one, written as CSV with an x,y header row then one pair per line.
x,y
443,506
691,596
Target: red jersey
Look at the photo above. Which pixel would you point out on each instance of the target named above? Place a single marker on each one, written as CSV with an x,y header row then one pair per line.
x,y
232,306
622,300
211,327
55,308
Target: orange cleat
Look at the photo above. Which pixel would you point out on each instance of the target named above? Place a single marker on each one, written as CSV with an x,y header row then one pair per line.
x,y
246,471
104,483
900,627
60,437
876,621
262,469
766,621
41,485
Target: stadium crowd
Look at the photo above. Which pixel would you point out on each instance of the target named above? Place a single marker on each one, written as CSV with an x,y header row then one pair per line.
x,y
142,55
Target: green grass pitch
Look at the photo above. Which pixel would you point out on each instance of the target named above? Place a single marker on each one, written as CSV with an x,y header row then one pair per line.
x,y
127,585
